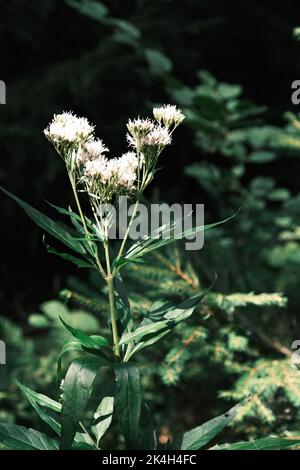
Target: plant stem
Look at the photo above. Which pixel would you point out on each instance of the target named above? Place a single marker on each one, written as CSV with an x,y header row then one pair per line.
x,y
98,262
112,303
94,443
127,232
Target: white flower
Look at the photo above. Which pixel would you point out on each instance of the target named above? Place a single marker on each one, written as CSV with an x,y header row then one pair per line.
x,y
123,171
67,128
116,173
90,151
130,160
158,137
140,127
97,169
168,115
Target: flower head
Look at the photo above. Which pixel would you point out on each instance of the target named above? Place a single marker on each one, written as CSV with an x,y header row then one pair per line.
x,y
97,169
158,137
126,167
168,115
139,127
107,178
90,151
67,128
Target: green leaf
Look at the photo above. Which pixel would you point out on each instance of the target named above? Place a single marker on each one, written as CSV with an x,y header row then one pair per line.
x,y
279,194
38,321
262,156
128,401
20,438
77,222
146,343
122,303
128,29
266,443
80,263
47,224
158,62
38,401
91,8
70,346
157,239
198,437
170,319
147,430
77,388
103,417
92,342
82,446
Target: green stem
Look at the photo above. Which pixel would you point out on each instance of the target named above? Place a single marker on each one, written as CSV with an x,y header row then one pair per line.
x,y
112,303
127,233
98,262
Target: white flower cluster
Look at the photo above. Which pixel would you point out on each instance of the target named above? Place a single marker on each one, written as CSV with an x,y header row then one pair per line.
x,y
116,173
159,136
139,128
144,132
67,128
90,151
168,115
105,178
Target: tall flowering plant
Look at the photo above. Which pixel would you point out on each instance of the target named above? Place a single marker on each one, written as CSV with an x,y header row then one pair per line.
x,y
103,180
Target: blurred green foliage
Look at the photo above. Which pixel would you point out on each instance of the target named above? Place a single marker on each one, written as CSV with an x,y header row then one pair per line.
x,y
106,60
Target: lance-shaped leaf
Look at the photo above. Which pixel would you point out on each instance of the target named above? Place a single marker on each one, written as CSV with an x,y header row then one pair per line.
x,y
94,341
47,224
77,388
160,237
148,439
265,443
20,438
152,331
39,402
52,417
103,417
128,401
198,437
80,263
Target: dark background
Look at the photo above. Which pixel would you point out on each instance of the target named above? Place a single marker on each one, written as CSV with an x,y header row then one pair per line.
x,y
54,59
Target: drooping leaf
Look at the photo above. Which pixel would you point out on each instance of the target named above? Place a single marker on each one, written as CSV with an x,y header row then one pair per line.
x,y
80,263
77,222
41,399
265,443
148,439
39,402
52,418
128,401
103,417
47,224
171,318
95,341
77,388
198,437
20,438
67,347
160,237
